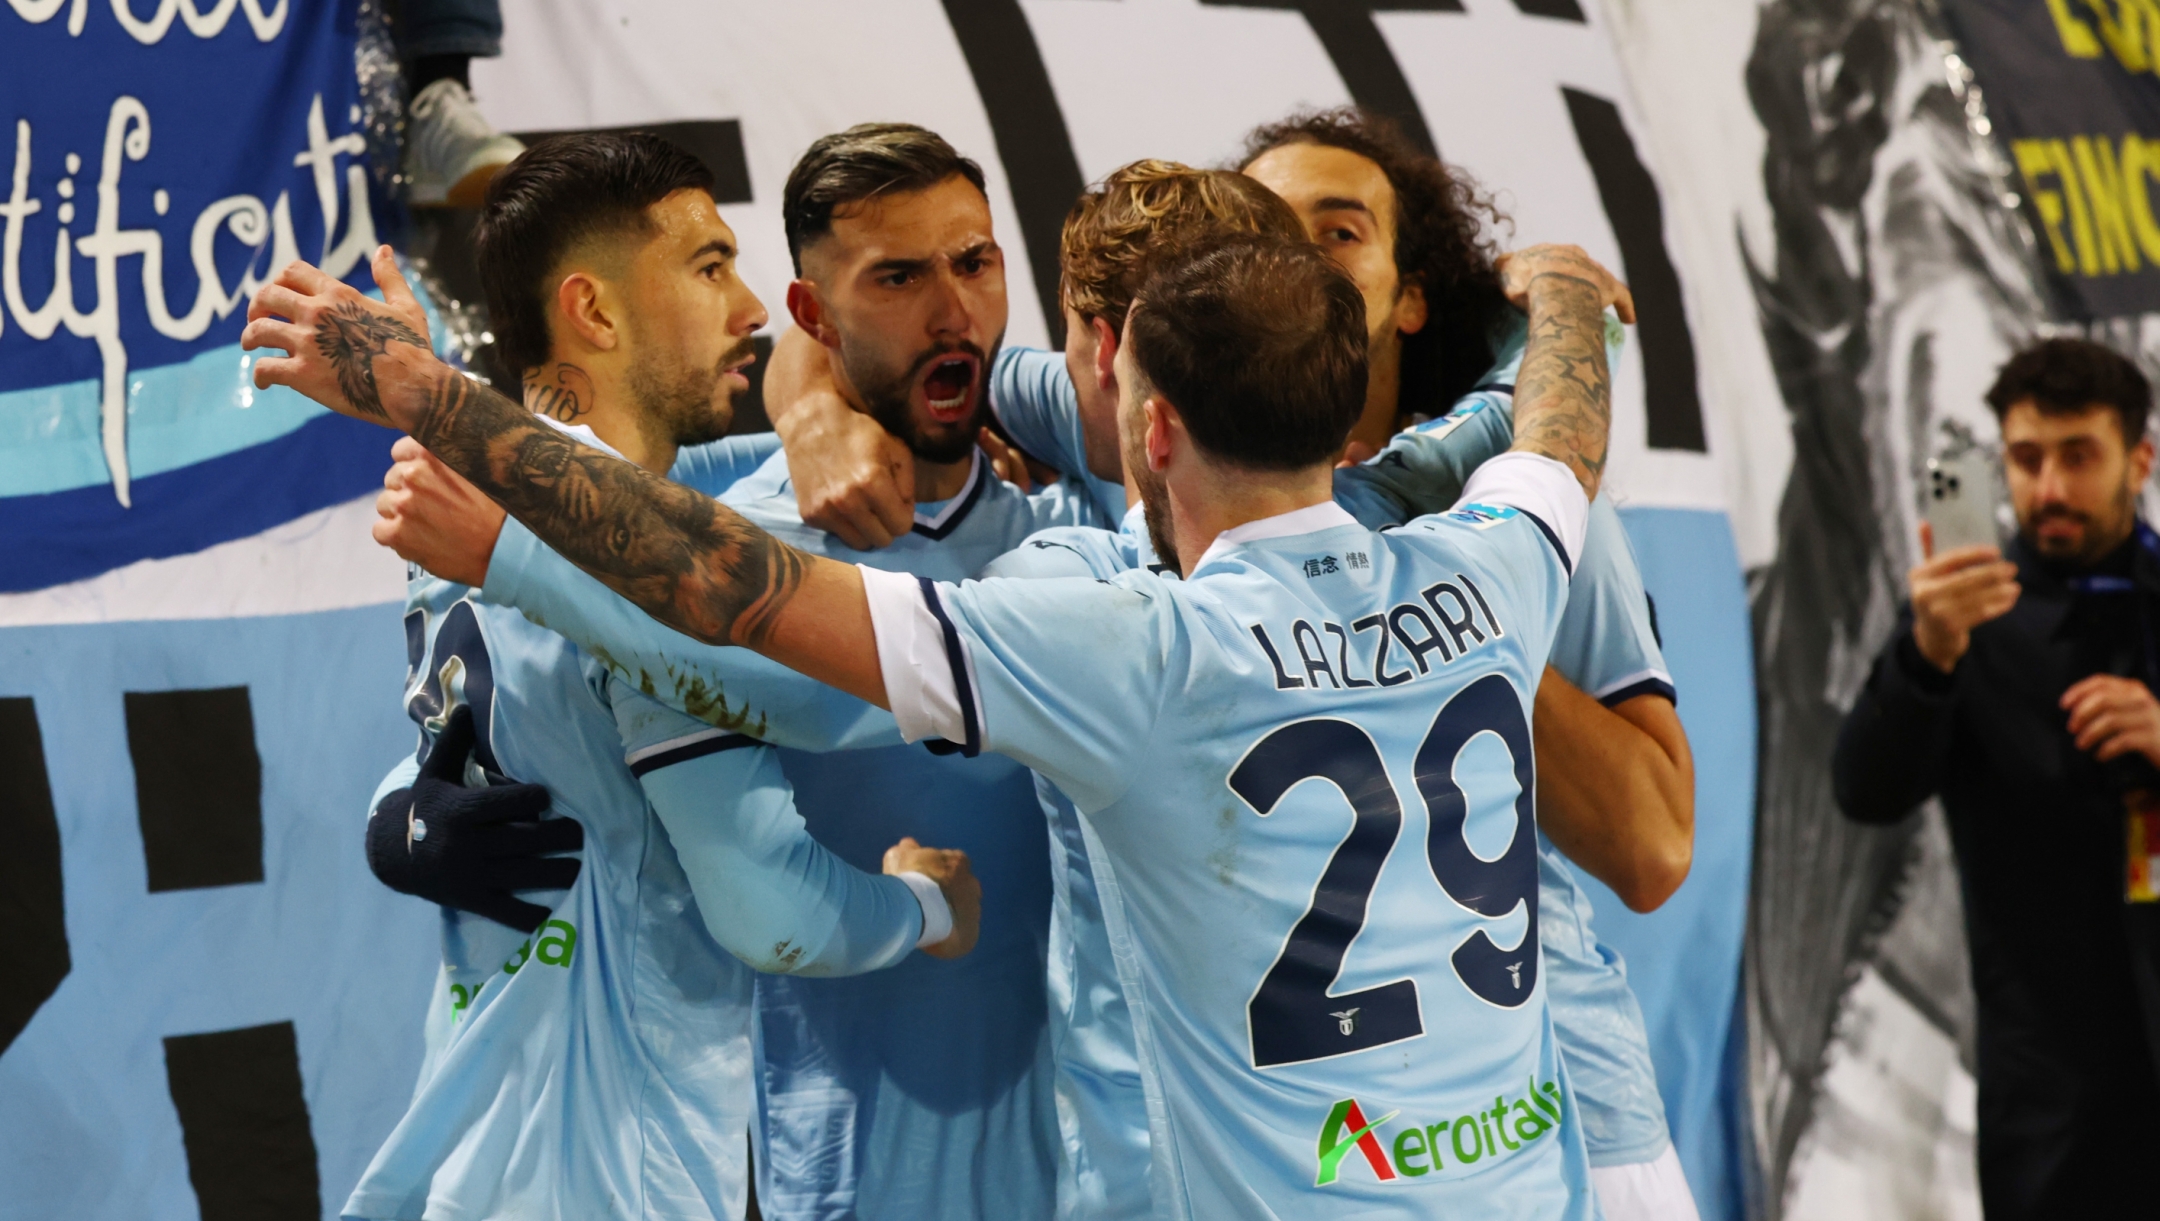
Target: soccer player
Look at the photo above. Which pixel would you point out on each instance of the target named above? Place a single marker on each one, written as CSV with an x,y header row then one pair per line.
x,y
1291,980
1618,787
1617,793
597,1056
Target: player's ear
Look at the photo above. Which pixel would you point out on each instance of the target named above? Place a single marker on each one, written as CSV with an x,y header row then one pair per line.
x,y
1411,312
1106,346
2141,462
1165,431
582,305
807,308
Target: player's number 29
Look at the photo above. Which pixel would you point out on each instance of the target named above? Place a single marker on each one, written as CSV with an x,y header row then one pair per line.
x,y
1293,1015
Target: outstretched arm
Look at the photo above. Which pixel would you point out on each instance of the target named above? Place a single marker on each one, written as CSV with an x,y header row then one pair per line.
x,y
1563,398
687,560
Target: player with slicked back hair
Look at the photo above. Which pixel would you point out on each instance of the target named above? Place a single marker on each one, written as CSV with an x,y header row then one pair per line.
x,y
589,1040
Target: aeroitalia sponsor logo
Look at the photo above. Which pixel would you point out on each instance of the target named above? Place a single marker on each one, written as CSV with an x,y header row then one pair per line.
x,y
1346,1129
1416,1149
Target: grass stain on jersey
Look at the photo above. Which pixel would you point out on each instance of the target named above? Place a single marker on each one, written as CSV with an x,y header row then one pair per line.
x,y
704,700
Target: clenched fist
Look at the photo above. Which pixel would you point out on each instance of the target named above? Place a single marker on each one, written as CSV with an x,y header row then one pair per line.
x,y
948,867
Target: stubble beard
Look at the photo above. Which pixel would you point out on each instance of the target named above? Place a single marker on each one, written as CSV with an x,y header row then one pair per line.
x,y
678,401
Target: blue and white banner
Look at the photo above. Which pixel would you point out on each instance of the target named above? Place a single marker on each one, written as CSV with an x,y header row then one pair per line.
x,y
207,1005
159,168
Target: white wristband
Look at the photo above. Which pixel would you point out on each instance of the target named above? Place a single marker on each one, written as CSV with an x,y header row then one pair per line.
x,y
936,913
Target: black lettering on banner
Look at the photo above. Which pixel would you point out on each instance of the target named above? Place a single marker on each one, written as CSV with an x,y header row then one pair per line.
x,y
1315,658
1419,648
1559,10
244,1121
1029,128
1457,628
1342,656
1359,51
1283,682
198,787
716,142
1380,651
34,955
1630,197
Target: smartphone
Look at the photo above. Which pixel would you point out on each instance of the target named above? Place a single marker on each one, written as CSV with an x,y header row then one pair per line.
x,y
1961,500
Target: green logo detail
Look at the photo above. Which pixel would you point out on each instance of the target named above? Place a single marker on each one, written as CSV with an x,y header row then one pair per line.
x,y
1337,1139
552,949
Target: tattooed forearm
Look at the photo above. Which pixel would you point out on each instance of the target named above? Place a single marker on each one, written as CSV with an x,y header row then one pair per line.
x,y
687,560
1563,396
350,337
560,391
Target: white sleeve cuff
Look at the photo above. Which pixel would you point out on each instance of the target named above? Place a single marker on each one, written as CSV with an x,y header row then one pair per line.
x,y
1541,487
920,657
936,913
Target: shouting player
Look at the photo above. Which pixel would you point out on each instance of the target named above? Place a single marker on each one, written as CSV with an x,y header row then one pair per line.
x,y
597,1055
1618,782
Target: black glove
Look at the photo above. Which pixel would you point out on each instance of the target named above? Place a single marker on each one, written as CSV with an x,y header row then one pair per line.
x,y
469,848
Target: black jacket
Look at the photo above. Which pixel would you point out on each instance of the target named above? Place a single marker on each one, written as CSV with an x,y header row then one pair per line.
x,y
2067,975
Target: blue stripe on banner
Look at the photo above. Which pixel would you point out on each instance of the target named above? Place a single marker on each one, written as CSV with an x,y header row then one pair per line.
x,y
68,536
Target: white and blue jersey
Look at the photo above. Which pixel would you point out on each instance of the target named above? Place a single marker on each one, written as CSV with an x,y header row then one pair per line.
x,y
924,1091
1303,1050
1607,646
603,1066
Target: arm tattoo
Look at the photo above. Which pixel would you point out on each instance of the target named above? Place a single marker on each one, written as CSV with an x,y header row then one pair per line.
x,y
350,337
565,397
687,560
1563,396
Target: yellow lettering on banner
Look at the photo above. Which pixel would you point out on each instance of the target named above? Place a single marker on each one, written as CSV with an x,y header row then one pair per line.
x,y
2081,230
2077,37
2141,161
2128,31
2033,164
2104,194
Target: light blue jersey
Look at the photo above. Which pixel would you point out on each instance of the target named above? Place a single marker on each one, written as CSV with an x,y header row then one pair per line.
x,y
1303,1050
602,1066
922,1092
1607,646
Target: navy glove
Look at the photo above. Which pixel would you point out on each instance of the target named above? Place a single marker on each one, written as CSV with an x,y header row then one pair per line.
x,y
469,848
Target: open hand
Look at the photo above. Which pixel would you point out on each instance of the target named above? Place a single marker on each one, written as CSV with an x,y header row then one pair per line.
x,y
433,517
1519,269
948,867
342,349
2112,717
1955,592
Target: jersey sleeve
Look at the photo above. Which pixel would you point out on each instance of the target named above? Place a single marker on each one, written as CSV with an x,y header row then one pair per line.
x,y
1066,676
1067,552
716,466
768,892
1033,398
1518,528
1608,643
1423,469
732,688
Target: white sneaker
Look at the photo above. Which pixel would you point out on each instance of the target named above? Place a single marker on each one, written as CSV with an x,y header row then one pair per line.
x,y
451,152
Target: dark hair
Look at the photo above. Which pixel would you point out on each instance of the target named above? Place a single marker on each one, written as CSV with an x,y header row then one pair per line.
x,y
2069,377
862,163
1116,229
560,193
1259,343
1442,244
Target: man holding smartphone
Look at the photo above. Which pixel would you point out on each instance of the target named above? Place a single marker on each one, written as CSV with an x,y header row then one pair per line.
x,y
2018,688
